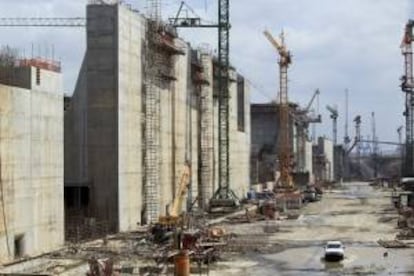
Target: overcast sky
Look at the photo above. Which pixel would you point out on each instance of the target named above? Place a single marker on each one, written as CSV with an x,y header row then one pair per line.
x,y
335,44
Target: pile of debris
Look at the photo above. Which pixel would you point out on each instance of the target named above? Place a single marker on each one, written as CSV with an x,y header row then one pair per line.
x,y
392,244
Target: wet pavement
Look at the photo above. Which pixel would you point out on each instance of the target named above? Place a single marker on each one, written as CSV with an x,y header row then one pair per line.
x,y
355,215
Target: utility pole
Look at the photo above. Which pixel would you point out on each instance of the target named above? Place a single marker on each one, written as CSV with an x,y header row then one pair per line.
x,y
358,139
374,145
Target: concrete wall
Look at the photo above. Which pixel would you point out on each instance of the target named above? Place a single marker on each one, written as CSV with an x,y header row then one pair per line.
x,y
326,148
102,116
264,140
131,31
31,154
308,159
339,162
239,142
105,121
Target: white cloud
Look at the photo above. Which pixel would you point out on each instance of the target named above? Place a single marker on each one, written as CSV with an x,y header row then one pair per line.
x,y
335,45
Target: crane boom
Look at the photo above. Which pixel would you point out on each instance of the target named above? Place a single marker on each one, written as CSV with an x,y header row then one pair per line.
x,y
182,191
279,47
334,117
42,22
317,92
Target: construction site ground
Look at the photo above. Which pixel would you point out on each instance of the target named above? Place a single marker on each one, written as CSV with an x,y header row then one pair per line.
x,y
355,213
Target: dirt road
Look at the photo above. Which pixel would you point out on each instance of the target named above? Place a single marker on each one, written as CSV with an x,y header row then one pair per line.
x,y
356,214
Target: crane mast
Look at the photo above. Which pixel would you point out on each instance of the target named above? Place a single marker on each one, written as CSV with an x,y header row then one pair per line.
x,y
284,145
334,117
347,140
224,195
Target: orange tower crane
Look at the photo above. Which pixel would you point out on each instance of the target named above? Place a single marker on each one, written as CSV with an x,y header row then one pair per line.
x,y
284,143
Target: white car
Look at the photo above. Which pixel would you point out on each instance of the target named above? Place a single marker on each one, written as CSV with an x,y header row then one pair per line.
x,y
334,251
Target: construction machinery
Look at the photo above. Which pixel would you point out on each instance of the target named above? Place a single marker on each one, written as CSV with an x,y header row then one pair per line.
x,y
334,116
407,86
347,140
357,138
175,217
303,118
284,143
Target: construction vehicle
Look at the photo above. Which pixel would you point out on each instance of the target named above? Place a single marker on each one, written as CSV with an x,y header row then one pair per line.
x,y
175,216
175,220
284,143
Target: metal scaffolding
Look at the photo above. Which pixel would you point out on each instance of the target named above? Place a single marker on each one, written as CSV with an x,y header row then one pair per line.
x,y
206,136
151,108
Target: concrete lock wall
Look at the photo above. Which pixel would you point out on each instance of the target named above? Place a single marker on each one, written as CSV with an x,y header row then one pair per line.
x,y
105,122
131,30
102,116
31,154
327,148
239,139
308,159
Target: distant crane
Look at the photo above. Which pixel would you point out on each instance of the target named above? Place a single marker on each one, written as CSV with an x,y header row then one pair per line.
x,y
334,117
284,145
347,140
303,118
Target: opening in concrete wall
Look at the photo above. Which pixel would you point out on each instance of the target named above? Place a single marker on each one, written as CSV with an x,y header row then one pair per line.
x,y
19,246
37,76
240,104
76,197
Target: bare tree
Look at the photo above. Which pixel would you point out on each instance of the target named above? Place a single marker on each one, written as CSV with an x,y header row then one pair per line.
x,y
8,56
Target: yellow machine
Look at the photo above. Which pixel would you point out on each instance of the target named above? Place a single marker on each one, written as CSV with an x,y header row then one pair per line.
x,y
175,217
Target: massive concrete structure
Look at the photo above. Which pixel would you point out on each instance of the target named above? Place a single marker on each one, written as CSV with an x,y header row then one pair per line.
x,y
264,147
107,174
31,159
323,160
